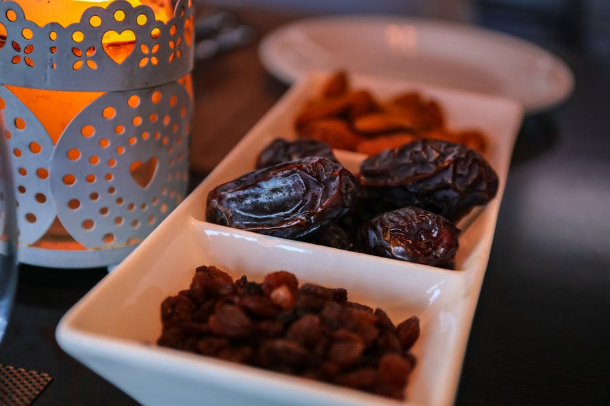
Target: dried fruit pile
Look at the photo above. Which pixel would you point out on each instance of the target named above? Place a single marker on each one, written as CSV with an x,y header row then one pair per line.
x,y
353,119
308,330
403,204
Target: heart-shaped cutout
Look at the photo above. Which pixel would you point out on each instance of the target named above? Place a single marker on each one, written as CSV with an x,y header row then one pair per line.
x,y
143,173
119,46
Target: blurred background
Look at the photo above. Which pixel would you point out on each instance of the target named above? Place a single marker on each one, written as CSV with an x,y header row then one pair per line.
x,y
581,22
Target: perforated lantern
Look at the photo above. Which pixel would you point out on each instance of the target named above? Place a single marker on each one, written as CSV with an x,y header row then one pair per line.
x,y
97,100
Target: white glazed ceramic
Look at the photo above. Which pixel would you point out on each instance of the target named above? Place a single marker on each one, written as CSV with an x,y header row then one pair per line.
x,y
448,54
113,329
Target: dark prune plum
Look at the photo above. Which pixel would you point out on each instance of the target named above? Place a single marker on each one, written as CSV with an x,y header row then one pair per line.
x,y
280,150
290,200
440,176
410,234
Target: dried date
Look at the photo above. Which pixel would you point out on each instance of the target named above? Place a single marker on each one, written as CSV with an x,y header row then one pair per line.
x,y
279,151
440,176
411,234
290,200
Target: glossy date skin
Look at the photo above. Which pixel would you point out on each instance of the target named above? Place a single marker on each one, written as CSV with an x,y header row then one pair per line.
x,y
440,176
280,150
291,200
411,234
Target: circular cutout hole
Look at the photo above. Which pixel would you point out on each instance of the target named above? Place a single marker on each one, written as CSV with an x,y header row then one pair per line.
x,y
119,129
151,219
141,19
112,162
120,150
135,223
27,33
40,198
31,218
133,101
108,176
111,190
78,36
120,201
104,143
21,189
131,206
104,211
94,196
95,21
74,204
109,112
73,154
137,120
35,148
69,179
19,123
156,97
94,159
87,131
118,220
11,15
119,15
22,171
88,224
90,178
108,238
42,173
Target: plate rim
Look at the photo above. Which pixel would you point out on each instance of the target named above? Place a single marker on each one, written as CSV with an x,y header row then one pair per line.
x,y
287,73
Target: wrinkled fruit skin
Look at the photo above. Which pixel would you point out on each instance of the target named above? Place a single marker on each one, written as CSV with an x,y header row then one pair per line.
x,y
440,176
290,200
280,150
411,234
305,330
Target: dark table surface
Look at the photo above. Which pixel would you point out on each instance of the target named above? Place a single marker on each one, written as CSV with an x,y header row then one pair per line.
x,y
541,333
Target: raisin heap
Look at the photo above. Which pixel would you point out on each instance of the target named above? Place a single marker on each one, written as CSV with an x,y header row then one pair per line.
x,y
305,330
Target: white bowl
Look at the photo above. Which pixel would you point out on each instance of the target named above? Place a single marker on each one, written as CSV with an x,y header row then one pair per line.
x,y
114,328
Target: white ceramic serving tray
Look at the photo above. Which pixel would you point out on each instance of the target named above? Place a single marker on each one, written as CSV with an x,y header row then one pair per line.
x,y
113,329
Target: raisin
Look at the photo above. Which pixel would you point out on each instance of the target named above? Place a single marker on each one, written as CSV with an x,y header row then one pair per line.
x,y
363,378
345,348
408,332
306,331
258,305
279,151
440,176
393,373
280,351
211,345
384,322
411,234
282,297
230,321
276,279
291,200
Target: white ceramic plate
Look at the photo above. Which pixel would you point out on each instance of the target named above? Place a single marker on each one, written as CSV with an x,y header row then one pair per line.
x,y
113,329
441,53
